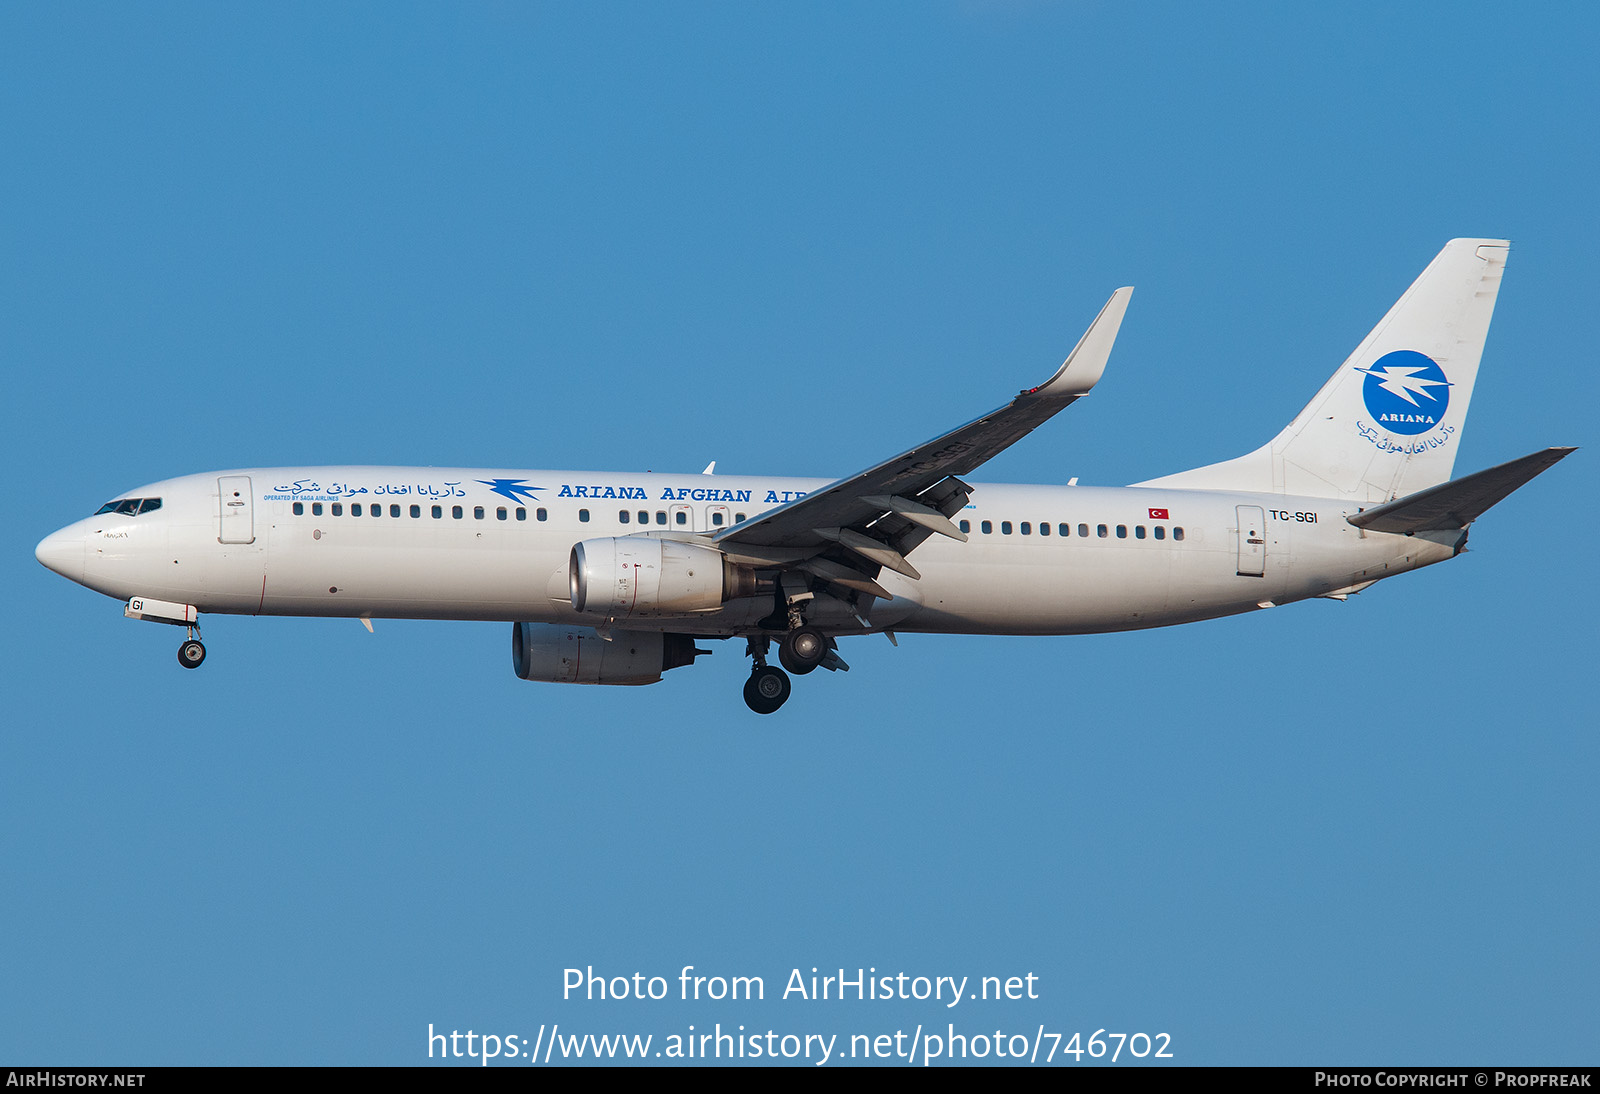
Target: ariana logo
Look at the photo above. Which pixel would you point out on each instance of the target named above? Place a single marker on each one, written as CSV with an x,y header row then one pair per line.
x,y
513,489
1406,392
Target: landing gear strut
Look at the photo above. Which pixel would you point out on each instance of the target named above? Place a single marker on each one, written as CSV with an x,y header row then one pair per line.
x,y
768,687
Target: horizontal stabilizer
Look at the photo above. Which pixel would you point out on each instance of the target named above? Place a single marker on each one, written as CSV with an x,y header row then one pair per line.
x,y
1458,503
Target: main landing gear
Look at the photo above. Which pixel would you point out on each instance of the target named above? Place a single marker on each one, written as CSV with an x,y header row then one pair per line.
x,y
801,650
768,686
766,690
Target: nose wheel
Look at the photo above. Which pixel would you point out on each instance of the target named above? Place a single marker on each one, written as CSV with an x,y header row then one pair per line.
x,y
191,653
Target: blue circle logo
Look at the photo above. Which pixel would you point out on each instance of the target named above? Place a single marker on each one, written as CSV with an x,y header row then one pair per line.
x,y
1406,392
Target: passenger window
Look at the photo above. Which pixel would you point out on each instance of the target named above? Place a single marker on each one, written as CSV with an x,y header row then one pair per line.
x,y
738,518
1027,528
1122,531
522,513
500,513
316,508
394,510
682,517
416,511
1138,531
644,516
966,526
355,510
1177,534
438,512
661,516
336,510
1161,533
455,512
623,516
1101,531
583,515
1064,529
716,520
1044,529
987,526
375,509
477,512
1083,530
299,508
1005,528
542,514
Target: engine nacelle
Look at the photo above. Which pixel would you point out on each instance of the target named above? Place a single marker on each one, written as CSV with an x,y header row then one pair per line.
x,y
554,654
643,575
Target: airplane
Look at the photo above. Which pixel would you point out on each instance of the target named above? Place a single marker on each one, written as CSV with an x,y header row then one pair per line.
x,y
611,578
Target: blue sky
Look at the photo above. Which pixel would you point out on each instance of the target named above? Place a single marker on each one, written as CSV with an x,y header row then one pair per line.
x,y
793,239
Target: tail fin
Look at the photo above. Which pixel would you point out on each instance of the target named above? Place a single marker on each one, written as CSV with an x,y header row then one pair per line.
x,y
1389,421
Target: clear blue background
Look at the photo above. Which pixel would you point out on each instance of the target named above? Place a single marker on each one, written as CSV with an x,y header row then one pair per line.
x,y
793,239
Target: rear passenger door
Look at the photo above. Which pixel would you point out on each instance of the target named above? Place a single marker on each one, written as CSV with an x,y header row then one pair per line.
x,y
1252,541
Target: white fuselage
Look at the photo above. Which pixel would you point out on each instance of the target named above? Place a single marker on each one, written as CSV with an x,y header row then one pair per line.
x,y
289,541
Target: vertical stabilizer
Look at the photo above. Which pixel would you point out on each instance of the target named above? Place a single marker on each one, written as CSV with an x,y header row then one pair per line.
x,y
1389,421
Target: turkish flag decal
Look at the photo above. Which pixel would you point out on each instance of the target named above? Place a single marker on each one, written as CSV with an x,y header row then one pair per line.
x,y
1159,514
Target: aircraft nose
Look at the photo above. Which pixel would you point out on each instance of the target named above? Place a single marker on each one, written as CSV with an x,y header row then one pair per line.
x,y
62,552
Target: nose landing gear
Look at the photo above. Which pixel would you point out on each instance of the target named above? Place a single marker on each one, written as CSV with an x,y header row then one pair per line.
x,y
191,653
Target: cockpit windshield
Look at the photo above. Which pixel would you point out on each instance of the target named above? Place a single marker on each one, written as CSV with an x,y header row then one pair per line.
x,y
129,507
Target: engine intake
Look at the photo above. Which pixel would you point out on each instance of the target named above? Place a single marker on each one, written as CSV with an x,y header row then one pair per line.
x,y
554,654
644,575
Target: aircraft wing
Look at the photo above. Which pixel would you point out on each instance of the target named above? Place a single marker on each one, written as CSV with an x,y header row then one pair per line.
x,y
1457,503
848,529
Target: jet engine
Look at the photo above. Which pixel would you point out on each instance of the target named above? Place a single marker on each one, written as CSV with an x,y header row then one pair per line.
x,y
643,575
555,654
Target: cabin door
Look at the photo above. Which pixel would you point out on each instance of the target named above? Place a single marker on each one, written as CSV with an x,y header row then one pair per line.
x,y
1252,541
236,522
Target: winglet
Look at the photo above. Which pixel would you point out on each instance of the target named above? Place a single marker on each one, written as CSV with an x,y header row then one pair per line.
x,y
1087,361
